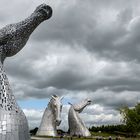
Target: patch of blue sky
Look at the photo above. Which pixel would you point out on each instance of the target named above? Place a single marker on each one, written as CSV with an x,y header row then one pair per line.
x,y
38,103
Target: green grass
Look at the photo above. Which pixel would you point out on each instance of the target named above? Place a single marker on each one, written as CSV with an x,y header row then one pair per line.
x,y
102,134
94,135
95,139
106,138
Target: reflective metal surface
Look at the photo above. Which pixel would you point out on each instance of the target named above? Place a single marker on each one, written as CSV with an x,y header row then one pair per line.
x,y
13,37
51,118
76,125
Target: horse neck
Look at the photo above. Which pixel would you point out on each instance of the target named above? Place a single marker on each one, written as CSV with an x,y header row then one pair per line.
x,y
7,99
50,118
74,116
28,25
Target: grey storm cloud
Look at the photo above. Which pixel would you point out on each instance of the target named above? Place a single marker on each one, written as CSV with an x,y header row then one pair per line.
x,y
88,48
86,25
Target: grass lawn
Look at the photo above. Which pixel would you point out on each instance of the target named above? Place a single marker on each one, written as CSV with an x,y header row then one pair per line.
x,y
105,138
94,135
87,139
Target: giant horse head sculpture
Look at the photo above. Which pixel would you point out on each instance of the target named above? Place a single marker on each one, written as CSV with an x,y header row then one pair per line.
x,y
13,38
56,107
51,117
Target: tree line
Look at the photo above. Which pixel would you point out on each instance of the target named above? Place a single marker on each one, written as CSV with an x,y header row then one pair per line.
x,y
130,124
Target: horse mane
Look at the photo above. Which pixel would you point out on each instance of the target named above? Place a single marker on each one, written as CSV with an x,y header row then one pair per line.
x,y
53,97
79,106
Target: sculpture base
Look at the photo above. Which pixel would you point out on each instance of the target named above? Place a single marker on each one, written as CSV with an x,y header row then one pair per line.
x,y
13,126
47,133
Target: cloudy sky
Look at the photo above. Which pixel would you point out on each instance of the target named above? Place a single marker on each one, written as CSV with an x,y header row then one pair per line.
x,y
89,48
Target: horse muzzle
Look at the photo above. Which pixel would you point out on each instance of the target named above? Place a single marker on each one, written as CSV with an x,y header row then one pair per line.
x,y
58,122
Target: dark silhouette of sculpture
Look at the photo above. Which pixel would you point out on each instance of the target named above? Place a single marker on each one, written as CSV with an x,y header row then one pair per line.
x,y
13,37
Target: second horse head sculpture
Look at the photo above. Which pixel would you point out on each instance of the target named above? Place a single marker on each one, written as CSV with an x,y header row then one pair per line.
x,y
76,125
51,117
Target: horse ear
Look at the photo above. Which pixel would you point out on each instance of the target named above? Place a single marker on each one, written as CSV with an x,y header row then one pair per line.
x,y
70,103
54,97
61,98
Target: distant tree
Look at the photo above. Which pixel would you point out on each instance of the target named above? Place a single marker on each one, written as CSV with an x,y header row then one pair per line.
x,y
131,118
109,128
